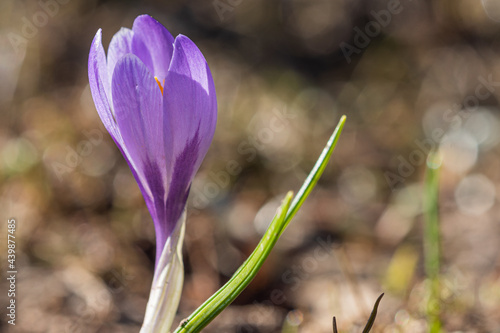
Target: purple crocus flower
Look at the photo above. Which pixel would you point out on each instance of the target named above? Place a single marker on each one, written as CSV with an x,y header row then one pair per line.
x,y
156,97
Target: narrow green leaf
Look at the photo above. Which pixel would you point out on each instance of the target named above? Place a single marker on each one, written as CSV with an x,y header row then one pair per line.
x,y
432,240
373,315
247,271
315,174
243,276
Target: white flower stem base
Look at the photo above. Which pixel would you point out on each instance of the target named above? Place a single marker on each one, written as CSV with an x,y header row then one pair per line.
x,y
167,284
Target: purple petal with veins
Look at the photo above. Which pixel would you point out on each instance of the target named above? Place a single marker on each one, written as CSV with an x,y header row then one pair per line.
x,y
163,133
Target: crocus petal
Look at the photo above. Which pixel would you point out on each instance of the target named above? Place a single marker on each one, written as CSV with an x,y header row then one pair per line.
x,y
120,45
190,110
100,87
153,44
138,110
182,175
189,103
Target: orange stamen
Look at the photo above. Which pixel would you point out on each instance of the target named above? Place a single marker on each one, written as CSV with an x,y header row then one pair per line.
x,y
160,84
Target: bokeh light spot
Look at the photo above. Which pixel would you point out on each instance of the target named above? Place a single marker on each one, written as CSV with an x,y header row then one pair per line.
x,y
475,194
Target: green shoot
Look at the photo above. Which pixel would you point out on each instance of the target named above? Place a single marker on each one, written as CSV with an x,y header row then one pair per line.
x,y
373,315
432,240
371,320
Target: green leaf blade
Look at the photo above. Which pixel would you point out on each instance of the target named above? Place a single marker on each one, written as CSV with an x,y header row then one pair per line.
x,y
249,269
243,276
316,172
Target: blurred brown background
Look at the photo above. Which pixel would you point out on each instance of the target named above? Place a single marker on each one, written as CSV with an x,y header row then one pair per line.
x,y
409,75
